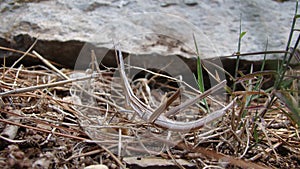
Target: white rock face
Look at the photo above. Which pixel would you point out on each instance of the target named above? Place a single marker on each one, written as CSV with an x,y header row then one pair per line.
x,y
145,27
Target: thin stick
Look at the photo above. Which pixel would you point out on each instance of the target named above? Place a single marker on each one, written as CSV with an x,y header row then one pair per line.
x,y
114,157
194,100
50,65
256,53
84,154
212,154
40,121
24,54
32,88
68,78
43,130
120,143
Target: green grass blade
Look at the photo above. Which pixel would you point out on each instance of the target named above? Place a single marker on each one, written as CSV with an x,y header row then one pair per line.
x,y
199,68
291,104
241,35
290,35
200,73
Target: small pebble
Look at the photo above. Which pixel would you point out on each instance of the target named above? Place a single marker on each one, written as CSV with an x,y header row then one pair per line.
x,y
113,166
99,166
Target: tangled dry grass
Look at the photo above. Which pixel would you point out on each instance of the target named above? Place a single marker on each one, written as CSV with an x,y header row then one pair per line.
x,y
54,118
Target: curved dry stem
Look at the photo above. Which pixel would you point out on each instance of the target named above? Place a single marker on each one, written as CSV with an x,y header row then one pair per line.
x,y
145,113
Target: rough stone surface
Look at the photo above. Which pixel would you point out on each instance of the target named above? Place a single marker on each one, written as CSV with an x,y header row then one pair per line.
x,y
160,27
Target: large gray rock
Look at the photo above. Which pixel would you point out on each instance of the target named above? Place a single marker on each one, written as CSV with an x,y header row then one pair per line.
x,y
143,27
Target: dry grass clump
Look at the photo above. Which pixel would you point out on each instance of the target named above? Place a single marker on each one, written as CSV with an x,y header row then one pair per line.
x,y
54,117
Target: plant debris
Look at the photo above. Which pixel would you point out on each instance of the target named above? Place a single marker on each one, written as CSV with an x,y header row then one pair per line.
x,y
53,118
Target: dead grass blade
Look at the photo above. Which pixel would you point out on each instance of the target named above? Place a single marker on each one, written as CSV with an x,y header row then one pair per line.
x,y
25,54
145,113
194,100
162,108
196,152
255,74
32,88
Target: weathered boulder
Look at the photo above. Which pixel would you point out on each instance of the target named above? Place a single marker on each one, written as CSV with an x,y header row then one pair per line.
x,y
162,28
